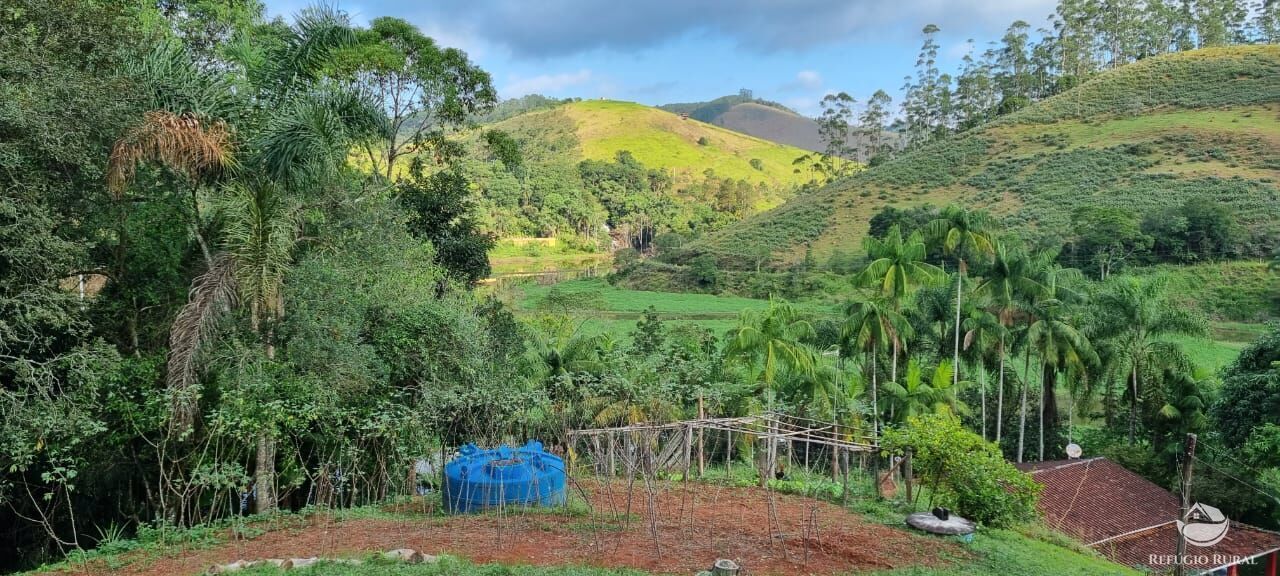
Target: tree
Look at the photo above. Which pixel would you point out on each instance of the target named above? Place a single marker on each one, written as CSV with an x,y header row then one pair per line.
x,y
964,235
424,90
834,131
1010,284
771,341
872,123
441,211
915,396
297,136
897,267
1249,398
984,333
870,325
1062,348
922,103
967,472
1014,69
1106,238
1137,314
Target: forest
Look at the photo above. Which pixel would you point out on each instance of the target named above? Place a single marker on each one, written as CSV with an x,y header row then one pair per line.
x,y
241,265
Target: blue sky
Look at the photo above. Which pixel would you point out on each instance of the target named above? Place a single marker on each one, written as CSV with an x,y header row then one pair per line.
x,y
661,51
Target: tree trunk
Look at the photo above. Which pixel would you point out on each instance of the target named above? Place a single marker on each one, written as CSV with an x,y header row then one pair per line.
x,y
1000,393
1022,415
875,401
265,475
955,355
893,372
1133,406
982,390
1048,405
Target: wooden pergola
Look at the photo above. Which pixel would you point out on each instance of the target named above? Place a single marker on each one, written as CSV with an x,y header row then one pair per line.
x,y
652,447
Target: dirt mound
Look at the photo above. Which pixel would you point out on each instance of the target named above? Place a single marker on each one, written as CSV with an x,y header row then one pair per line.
x,y
672,529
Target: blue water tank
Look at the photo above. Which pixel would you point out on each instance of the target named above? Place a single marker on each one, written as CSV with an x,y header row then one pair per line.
x,y
480,479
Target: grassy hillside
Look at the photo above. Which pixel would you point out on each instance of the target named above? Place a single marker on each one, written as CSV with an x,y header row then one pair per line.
x,y
713,176
1144,136
661,139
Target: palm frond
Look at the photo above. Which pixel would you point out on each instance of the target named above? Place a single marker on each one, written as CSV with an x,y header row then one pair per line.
x,y
211,293
182,143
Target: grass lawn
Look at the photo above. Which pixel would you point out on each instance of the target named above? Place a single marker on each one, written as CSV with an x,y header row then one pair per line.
x,y
621,300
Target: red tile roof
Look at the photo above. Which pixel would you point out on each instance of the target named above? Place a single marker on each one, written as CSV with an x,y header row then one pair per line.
x,y
1097,499
1128,518
1145,549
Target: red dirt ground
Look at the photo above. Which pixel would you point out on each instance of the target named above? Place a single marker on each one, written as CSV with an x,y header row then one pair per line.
x,y
694,525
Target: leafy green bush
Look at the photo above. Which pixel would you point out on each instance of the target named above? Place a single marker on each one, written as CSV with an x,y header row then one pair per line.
x,y
969,473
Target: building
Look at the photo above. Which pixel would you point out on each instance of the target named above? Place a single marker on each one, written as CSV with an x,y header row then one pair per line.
x,y
1133,521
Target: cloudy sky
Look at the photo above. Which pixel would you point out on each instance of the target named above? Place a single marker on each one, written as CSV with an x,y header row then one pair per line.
x,y
661,51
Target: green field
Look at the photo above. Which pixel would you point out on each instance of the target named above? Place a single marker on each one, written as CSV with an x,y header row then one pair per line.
x,y
618,310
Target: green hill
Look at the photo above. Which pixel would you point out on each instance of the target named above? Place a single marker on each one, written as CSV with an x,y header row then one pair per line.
x,y
1144,136
707,176
661,139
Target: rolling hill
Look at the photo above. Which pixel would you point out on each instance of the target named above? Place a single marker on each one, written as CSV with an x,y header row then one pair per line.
x,y
686,147
1144,136
714,175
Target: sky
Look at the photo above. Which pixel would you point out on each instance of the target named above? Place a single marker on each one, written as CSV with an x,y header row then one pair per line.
x,y
663,51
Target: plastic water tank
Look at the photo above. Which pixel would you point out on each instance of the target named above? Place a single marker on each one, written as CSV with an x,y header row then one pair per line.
x,y
480,479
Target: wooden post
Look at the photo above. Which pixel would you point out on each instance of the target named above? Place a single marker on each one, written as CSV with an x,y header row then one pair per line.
x,y
702,441
688,450
728,454
612,469
844,492
1271,563
906,472
1188,454
835,452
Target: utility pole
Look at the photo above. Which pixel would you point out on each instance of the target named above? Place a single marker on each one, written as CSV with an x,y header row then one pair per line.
x,y
1188,454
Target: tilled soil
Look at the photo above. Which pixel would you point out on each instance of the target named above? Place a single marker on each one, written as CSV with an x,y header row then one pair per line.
x,y
675,529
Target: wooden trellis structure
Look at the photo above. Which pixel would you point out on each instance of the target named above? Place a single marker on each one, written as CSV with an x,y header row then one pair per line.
x,y
649,449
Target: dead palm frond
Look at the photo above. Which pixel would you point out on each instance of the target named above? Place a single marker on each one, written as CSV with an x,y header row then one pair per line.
x,y
211,294
182,143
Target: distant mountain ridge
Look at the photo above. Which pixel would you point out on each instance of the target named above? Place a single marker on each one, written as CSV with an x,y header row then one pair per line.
x,y
761,118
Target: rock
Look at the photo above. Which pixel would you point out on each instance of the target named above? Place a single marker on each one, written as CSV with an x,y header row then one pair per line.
x,y
299,563
408,555
236,566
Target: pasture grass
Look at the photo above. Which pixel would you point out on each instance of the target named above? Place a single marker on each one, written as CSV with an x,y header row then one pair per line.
x,y
661,139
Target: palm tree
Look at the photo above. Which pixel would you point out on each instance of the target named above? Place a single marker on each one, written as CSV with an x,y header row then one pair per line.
x,y
915,396
1136,314
962,234
896,269
1061,348
982,333
1009,282
870,325
770,341
296,130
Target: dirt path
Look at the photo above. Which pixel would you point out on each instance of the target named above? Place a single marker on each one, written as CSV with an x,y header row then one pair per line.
x,y
687,530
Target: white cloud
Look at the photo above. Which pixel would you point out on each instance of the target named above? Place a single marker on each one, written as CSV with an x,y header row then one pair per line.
x,y
809,79
544,83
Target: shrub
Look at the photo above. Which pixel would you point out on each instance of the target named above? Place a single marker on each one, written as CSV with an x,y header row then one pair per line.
x,y
970,474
